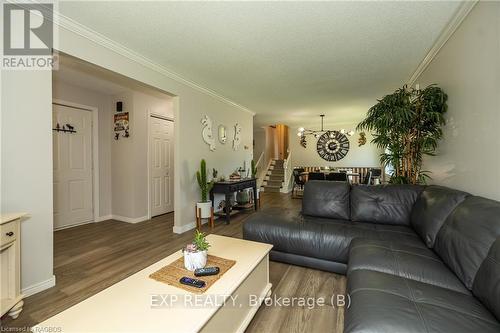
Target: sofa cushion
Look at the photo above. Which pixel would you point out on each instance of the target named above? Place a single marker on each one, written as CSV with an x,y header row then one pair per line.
x,y
415,263
286,233
384,303
431,209
321,238
326,199
467,235
487,282
387,204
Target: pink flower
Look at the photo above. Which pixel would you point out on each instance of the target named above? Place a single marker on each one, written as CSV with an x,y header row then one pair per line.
x,y
191,248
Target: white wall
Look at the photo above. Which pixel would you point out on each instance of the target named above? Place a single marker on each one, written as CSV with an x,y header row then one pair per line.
x,y
259,139
75,94
27,168
364,156
468,70
130,155
122,162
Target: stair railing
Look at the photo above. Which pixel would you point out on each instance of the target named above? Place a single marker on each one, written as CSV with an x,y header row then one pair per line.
x,y
259,162
288,170
262,167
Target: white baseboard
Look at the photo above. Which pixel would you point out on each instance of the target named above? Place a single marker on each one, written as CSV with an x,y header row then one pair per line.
x,y
104,218
129,219
186,227
183,228
38,287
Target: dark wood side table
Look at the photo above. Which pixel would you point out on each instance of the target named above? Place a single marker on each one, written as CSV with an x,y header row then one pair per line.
x,y
229,187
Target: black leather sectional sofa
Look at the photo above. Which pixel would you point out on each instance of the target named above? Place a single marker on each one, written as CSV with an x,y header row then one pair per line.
x,y
417,259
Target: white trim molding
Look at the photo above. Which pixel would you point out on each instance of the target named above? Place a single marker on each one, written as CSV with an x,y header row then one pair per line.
x,y
445,35
129,219
38,287
104,218
186,227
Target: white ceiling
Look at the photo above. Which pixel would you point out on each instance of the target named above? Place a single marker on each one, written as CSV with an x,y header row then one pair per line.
x,y
286,61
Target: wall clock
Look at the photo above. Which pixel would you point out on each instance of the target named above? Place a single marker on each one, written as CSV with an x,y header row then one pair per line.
x,y
332,146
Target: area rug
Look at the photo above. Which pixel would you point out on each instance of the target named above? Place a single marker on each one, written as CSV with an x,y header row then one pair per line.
x,y
172,273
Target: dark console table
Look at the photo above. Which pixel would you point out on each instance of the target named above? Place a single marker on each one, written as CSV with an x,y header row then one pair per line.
x,y
229,187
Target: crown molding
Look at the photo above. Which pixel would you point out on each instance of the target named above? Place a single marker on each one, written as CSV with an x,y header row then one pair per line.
x,y
71,25
445,35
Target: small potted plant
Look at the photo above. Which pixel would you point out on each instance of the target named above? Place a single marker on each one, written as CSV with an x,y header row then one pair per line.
x,y
242,172
195,254
254,169
205,186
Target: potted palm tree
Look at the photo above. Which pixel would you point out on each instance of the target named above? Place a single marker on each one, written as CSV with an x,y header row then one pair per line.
x,y
205,205
407,126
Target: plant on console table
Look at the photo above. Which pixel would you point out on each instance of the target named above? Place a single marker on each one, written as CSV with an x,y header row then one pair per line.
x,y
195,254
204,207
254,169
407,125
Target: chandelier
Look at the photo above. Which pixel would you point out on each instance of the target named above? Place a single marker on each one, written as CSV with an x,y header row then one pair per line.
x,y
303,132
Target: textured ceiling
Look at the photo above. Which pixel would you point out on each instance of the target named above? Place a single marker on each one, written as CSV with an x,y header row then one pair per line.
x,y
286,61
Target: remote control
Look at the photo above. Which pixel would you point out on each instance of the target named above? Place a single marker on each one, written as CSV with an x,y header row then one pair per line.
x,y
192,282
206,271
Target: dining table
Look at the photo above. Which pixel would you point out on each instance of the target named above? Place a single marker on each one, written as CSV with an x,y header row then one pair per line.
x,y
304,174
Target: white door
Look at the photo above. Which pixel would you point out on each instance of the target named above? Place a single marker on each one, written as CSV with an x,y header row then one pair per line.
x,y
72,155
162,157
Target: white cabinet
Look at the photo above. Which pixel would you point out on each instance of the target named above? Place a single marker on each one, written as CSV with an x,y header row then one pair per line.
x,y
10,270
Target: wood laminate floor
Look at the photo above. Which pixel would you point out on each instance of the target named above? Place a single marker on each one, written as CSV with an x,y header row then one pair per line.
x,y
92,257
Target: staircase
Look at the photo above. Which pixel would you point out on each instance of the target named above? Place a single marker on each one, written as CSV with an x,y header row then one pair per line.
x,y
274,177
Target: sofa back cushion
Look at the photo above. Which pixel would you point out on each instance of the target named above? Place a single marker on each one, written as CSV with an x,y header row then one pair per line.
x,y
487,282
324,198
467,235
385,204
431,209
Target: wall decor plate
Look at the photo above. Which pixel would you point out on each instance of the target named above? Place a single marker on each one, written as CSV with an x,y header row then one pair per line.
x,y
222,134
206,132
237,136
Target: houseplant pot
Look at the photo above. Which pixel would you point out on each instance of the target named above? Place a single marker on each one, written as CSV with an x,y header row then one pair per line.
x,y
242,197
195,254
194,260
204,209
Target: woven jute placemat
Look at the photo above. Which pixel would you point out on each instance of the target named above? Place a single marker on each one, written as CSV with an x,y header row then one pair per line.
x,y
172,273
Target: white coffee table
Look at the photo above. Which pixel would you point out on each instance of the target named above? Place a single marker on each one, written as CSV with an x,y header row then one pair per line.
x,y
141,304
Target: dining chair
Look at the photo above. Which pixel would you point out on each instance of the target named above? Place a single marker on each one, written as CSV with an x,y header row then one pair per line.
x,y
368,178
298,181
316,176
337,176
